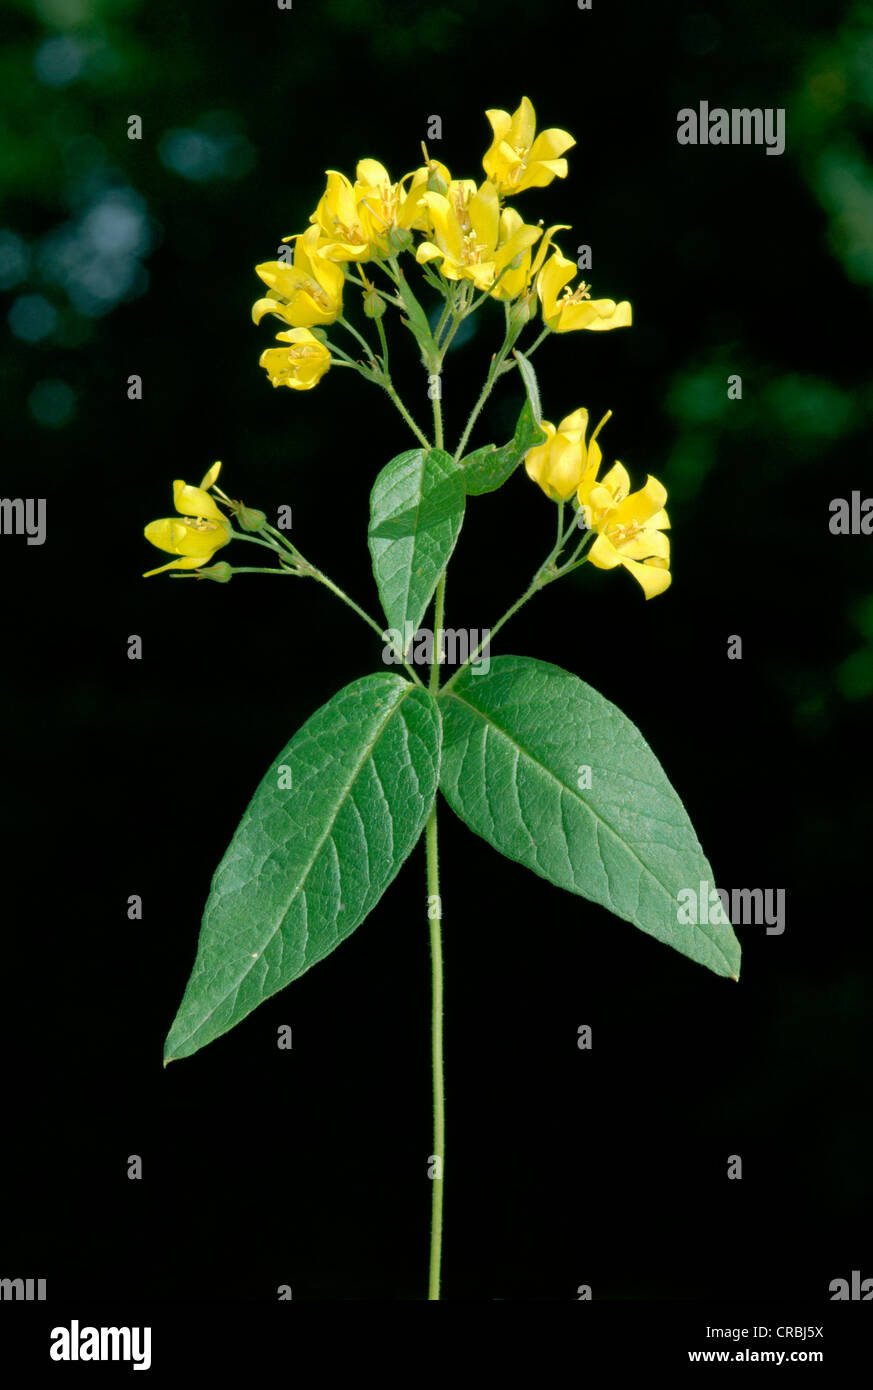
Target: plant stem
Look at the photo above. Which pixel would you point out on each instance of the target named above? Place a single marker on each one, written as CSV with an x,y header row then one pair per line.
x,y
255,569
435,914
350,328
419,434
546,574
291,555
439,1093
493,372
335,589
438,421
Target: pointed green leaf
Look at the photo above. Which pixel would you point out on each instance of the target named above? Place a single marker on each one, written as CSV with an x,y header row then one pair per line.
x,y
529,377
326,832
516,745
416,510
489,467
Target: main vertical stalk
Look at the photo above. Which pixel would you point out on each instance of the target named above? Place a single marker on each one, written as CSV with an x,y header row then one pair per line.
x,y
439,1095
435,915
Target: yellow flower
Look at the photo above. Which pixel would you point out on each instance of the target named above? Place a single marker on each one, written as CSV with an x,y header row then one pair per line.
x,y
341,233
516,280
300,366
630,527
575,309
383,206
516,160
198,531
466,234
565,462
307,292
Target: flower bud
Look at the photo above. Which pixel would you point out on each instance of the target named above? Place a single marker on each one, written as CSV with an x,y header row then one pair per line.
x,y
523,311
374,304
250,518
435,184
399,240
221,572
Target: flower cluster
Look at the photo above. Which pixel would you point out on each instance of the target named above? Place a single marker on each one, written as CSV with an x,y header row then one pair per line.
x,y
628,527
467,236
465,240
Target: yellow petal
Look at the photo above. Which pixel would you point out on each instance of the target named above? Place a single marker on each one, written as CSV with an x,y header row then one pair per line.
x,y
447,228
540,174
193,501
641,506
593,314
266,306
652,578
617,482
523,126
604,555
555,274
576,422
372,173
647,545
484,210
211,476
549,144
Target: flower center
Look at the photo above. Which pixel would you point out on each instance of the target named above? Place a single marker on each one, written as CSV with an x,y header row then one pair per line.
x,y
582,292
472,250
622,532
353,236
315,292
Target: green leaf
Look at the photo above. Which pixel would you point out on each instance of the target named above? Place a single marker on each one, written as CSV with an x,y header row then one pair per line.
x,y
516,742
416,510
489,468
326,832
529,377
417,322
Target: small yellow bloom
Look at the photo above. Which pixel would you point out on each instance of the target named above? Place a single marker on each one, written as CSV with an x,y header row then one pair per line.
x,y
198,531
383,206
305,293
575,309
301,365
565,462
517,278
630,528
466,234
341,233
516,160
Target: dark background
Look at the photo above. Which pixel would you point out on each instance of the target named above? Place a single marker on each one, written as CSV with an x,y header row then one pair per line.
x,y
308,1168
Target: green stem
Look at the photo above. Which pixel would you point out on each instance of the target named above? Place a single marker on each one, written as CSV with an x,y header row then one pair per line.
x,y
305,567
388,386
356,608
350,328
256,569
546,574
437,417
439,1092
253,540
435,914
483,396
384,341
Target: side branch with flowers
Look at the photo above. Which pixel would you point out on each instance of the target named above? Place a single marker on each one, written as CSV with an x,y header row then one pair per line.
x,y
528,755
